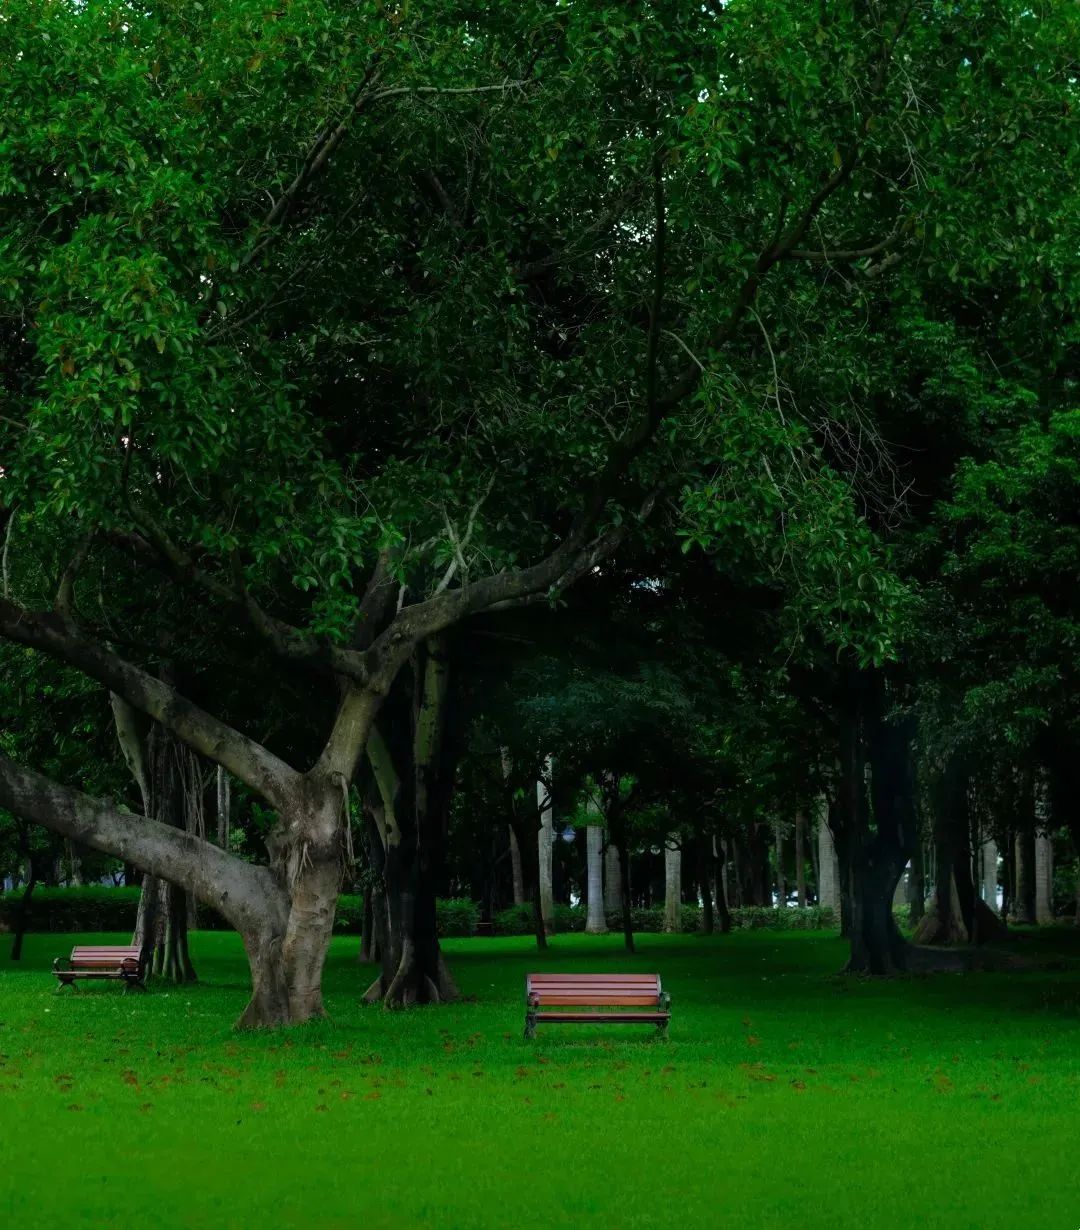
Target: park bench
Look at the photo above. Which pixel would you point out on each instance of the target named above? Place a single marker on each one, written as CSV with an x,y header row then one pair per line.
x,y
595,999
101,961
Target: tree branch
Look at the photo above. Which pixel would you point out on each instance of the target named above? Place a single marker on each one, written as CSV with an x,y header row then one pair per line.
x,y
246,894
252,763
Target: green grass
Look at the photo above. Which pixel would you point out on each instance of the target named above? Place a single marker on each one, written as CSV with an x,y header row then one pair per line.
x,y
784,1096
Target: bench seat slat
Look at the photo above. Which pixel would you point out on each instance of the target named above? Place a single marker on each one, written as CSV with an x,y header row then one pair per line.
x,y
604,1018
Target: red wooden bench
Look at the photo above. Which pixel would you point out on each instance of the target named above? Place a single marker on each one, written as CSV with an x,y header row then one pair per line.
x,y
595,999
101,961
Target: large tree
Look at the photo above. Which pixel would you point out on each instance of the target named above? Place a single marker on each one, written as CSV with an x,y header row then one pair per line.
x,y
352,324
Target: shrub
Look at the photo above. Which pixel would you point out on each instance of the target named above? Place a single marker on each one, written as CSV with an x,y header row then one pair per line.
x,y
805,918
456,916
514,920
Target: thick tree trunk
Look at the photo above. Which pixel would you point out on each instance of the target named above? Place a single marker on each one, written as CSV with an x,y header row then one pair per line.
x,y
878,852
414,970
22,918
1024,903
877,947
409,828
672,886
596,921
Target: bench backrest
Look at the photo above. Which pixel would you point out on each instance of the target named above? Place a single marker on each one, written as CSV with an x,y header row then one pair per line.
x,y
101,956
593,990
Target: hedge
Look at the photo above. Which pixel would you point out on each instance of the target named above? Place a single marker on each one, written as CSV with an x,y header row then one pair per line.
x,y
113,909
98,908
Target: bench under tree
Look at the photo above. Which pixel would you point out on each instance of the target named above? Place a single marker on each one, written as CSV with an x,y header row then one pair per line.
x,y
124,963
595,999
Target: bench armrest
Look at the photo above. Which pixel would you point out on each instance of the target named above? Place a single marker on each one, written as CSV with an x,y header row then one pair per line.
x,y
663,1001
61,963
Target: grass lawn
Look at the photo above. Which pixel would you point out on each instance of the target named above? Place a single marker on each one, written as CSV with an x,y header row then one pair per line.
x,y
783,1096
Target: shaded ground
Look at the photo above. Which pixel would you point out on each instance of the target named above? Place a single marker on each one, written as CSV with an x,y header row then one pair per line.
x,y
784,1096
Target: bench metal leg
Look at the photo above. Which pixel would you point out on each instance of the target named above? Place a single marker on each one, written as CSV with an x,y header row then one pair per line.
x,y
530,1025
131,984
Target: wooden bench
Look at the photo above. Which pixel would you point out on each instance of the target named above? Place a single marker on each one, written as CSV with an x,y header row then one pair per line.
x,y
101,961
595,999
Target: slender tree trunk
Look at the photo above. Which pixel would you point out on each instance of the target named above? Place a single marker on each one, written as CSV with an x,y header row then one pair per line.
x,y
545,851
989,852
612,891
672,886
722,905
917,885
624,896
781,877
706,872
515,870
595,922
367,927
22,912
800,857
829,865
223,795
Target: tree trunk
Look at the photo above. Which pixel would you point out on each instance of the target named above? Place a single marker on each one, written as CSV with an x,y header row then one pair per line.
x,y
407,770
722,907
367,928
706,873
22,911
781,878
515,870
989,862
878,852
624,896
612,891
224,808
596,921
545,850
829,867
1024,904
800,857
917,885
672,886
1044,879
174,798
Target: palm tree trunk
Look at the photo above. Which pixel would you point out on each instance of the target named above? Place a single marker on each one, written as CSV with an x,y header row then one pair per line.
x,y
672,885
596,921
